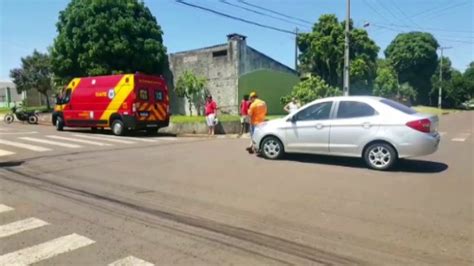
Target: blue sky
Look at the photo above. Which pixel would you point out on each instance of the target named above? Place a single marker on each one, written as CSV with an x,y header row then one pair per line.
x,y
30,24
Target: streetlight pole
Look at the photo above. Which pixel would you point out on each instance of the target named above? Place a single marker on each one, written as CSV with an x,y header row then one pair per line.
x,y
346,51
440,92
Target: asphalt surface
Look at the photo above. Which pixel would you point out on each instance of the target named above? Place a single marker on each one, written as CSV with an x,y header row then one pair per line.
x,y
205,201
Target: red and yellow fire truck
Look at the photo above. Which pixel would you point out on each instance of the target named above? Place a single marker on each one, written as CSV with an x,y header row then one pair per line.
x,y
121,102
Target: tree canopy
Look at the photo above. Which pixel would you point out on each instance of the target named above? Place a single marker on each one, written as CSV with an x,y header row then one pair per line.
x,y
322,52
310,89
413,56
190,87
34,74
101,37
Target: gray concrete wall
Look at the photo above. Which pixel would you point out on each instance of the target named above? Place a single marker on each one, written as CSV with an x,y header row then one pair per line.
x,y
221,73
252,60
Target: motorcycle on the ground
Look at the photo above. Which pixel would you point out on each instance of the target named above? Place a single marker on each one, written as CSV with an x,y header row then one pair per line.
x,y
30,117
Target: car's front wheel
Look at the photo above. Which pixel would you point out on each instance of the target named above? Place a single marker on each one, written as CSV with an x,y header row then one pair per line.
x,y
380,156
272,148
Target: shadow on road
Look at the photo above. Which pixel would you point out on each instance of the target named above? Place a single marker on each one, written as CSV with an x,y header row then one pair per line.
x,y
404,165
11,164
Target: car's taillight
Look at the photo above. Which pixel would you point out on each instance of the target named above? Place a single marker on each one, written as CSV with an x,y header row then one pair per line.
x,y
134,107
422,125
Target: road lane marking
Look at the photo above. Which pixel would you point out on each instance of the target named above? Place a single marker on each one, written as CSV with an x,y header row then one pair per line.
x,y
67,145
461,137
79,140
129,138
104,139
5,208
5,153
45,250
21,226
131,261
18,133
24,146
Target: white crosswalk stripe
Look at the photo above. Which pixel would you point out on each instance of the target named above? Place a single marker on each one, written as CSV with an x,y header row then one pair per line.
x,y
131,261
45,250
5,153
24,146
461,137
54,143
130,138
79,140
104,139
21,226
5,208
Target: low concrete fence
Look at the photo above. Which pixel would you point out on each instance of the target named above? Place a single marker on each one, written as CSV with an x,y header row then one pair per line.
x,y
201,128
177,129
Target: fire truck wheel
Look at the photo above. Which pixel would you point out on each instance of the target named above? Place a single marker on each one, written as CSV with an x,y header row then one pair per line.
x,y
118,128
59,123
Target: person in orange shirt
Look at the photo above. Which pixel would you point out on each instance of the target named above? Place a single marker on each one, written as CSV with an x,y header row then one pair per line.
x,y
257,113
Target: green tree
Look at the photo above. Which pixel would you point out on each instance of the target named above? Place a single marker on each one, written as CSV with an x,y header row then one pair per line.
x,y
468,77
190,87
310,89
100,37
386,83
34,74
413,56
322,53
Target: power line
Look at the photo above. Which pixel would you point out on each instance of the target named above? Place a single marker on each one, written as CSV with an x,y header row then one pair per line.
x,y
434,33
374,9
443,11
235,18
262,14
439,8
432,29
275,12
443,39
403,13
388,9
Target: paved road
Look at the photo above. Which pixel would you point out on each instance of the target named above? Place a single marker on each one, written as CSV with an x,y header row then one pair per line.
x,y
183,201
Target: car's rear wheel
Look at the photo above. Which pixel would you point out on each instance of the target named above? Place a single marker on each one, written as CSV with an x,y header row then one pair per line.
x,y
118,127
380,156
272,148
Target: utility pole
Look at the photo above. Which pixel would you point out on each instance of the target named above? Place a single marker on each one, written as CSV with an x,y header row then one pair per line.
x,y
440,92
346,51
296,49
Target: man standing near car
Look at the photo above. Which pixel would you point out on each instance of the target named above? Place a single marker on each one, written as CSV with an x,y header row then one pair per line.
x,y
257,112
210,112
244,116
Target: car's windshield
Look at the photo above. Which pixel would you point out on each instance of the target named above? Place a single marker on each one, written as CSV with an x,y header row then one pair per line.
x,y
400,107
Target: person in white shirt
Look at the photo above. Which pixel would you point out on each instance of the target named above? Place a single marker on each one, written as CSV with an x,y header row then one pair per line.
x,y
292,106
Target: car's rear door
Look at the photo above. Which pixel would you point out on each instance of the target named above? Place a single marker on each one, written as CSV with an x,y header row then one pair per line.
x,y
355,123
144,102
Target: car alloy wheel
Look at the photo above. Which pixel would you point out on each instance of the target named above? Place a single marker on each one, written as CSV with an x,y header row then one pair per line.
x,y
380,156
272,148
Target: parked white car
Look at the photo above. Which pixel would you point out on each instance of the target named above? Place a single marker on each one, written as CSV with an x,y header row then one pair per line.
x,y
376,129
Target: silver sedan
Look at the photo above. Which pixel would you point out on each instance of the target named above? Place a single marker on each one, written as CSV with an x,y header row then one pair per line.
x,y
376,129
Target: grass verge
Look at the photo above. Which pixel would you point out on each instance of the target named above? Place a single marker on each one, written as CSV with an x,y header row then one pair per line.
x,y
434,110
